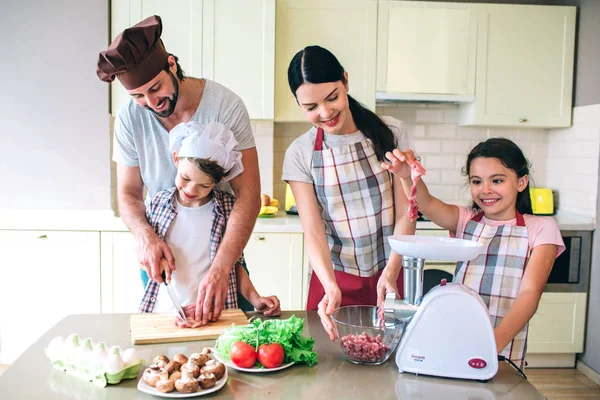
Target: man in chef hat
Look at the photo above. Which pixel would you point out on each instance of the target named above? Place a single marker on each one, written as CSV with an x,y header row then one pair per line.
x,y
161,98
192,218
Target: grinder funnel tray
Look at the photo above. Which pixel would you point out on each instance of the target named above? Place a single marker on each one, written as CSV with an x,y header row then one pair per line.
x,y
435,248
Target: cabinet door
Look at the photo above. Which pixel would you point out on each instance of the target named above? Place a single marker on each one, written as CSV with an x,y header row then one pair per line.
x,y
347,28
426,48
45,277
558,325
122,288
229,41
239,51
524,67
275,262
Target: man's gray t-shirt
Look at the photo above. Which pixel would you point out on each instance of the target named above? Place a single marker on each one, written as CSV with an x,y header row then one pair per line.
x,y
298,157
141,141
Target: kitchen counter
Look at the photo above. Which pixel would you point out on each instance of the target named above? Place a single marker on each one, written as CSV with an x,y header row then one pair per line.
x,y
105,220
32,377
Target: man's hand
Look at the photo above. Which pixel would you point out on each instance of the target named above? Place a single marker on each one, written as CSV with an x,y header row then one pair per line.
x,y
212,291
150,251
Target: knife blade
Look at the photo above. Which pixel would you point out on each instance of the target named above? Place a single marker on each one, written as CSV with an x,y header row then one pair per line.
x,y
174,298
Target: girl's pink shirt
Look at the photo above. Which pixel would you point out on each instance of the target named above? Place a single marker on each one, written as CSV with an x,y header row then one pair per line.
x,y
540,230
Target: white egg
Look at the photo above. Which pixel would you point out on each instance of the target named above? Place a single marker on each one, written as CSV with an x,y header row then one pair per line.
x,y
131,357
98,357
113,364
55,348
71,347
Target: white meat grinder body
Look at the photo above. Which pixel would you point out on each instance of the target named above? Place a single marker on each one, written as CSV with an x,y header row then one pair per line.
x,y
449,332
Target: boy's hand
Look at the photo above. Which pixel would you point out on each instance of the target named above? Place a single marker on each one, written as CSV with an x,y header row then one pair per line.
x,y
399,162
269,306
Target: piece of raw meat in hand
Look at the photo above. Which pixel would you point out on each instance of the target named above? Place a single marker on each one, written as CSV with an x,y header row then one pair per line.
x,y
190,313
416,171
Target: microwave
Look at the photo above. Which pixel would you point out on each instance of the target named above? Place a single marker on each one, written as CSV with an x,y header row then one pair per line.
x,y
571,269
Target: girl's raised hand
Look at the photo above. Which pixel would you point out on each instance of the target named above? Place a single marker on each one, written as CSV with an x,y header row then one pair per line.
x,y
399,162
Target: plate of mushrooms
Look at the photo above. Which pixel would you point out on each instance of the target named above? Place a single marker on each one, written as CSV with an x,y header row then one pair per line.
x,y
183,376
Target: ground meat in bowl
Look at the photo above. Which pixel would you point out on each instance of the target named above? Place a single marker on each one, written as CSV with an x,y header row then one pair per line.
x,y
364,347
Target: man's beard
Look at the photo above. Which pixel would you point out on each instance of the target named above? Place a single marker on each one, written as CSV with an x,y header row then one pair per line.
x,y
171,101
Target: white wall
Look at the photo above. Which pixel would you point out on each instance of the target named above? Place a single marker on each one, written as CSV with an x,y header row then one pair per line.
x,y
573,156
54,141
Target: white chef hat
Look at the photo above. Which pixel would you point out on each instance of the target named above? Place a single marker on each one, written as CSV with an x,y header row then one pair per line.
x,y
213,140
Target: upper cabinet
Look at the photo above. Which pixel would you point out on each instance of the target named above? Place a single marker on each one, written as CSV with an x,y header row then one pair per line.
x,y
426,51
524,67
228,41
347,28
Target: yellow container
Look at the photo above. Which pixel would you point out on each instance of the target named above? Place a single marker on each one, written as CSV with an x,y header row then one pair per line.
x,y
542,201
290,202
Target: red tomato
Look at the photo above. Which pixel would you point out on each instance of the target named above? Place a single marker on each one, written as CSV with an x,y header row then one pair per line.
x,y
242,354
271,355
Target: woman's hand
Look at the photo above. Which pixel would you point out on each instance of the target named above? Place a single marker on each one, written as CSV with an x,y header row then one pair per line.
x,y
331,301
269,306
386,284
399,162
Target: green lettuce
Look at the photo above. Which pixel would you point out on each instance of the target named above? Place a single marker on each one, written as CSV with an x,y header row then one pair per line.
x,y
287,332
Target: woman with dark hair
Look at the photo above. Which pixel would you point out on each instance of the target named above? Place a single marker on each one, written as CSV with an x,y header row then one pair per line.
x,y
519,248
348,204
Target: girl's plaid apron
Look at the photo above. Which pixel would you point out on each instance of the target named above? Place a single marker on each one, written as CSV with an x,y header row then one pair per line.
x,y
357,208
497,273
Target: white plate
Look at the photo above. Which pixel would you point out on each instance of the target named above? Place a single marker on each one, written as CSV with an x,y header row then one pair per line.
x,y
144,387
435,248
230,364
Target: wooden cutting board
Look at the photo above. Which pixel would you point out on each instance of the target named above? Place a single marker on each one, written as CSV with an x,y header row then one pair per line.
x,y
160,328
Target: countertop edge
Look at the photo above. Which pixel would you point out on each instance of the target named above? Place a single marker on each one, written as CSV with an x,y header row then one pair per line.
x,y
108,221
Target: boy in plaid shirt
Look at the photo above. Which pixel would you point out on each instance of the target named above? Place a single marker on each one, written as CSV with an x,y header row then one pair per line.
x,y
204,156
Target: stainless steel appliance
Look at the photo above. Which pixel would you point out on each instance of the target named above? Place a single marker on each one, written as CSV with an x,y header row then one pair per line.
x,y
571,269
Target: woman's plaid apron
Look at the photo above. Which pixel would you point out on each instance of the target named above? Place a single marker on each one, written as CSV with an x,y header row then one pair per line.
x,y
497,273
357,207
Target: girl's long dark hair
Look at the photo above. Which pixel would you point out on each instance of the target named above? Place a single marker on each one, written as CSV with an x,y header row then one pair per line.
x,y
512,157
314,64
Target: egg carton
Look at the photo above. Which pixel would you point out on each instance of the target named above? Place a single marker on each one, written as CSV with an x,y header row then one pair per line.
x,y
93,362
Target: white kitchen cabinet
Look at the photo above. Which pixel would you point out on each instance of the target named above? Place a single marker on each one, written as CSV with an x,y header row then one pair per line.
x,y
226,40
122,288
558,326
347,28
275,262
524,67
46,275
426,50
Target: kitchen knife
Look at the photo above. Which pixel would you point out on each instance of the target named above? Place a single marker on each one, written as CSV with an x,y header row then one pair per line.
x,y
174,298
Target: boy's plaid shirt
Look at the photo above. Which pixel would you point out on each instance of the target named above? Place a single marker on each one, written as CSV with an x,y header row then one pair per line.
x,y
160,212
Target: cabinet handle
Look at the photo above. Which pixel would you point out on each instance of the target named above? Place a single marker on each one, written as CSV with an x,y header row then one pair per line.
x,y
522,120
259,238
43,237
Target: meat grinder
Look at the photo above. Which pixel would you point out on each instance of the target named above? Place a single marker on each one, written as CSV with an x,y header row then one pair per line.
x,y
447,332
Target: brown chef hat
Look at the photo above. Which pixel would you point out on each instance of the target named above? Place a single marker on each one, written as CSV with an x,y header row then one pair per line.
x,y
136,56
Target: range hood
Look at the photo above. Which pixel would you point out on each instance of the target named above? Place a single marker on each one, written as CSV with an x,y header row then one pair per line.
x,y
386,97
